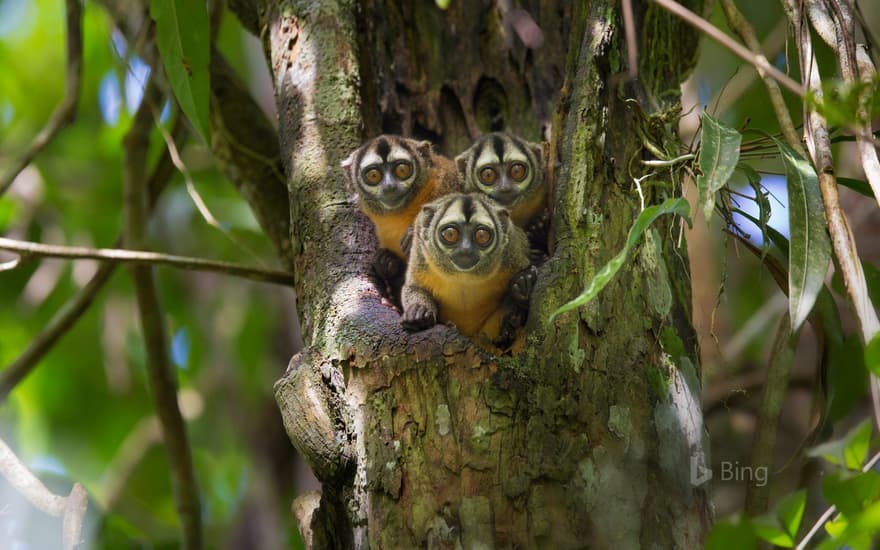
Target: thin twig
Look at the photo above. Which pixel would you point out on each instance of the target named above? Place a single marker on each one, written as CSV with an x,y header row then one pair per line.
x,y
71,508
161,374
741,26
830,511
758,60
66,317
65,112
142,257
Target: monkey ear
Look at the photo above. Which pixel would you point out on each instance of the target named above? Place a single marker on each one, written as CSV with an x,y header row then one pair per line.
x,y
461,164
427,213
347,162
425,148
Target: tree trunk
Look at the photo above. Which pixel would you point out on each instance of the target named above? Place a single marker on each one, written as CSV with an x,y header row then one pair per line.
x,y
588,436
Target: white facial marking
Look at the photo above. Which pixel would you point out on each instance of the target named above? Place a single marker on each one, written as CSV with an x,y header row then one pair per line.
x,y
370,157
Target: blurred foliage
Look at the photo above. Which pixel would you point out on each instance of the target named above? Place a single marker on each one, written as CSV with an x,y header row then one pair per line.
x,y
77,415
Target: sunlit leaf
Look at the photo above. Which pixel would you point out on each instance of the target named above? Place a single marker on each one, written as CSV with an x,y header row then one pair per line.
x,y
719,154
767,527
810,250
646,218
849,451
790,512
182,33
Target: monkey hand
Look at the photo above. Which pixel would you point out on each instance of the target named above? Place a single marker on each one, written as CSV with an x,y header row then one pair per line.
x,y
419,317
521,286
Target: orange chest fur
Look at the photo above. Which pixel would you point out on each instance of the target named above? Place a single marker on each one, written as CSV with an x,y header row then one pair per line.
x,y
390,227
467,301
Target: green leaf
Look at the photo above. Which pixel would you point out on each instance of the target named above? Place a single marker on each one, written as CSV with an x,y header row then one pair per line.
x,y
729,535
858,533
847,377
859,186
790,512
810,251
646,218
851,493
183,36
442,4
872,354
850,451
719,154
767,527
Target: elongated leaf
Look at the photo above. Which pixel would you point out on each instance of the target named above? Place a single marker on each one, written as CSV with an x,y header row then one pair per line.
x,y
646,218
810,251
859,186
182,33
719,153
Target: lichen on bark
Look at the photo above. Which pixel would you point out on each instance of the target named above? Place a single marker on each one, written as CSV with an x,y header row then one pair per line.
x,y
584,438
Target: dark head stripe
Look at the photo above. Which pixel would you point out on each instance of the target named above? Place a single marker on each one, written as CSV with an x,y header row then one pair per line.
x,y
383,148
498,146
467,207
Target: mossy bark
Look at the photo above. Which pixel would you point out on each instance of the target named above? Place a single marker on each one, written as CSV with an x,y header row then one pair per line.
x,y
586,438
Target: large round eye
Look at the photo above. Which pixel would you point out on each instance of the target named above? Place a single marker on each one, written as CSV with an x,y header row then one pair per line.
x,y
488,176
403,170
518,171
450,234
373,176
483,236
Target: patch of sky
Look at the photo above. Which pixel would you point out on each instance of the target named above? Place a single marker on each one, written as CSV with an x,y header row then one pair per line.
x,y
778,197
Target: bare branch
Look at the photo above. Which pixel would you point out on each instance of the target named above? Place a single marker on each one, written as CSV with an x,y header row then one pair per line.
x,y
140,257
66,317
66,110
758,60
71,508
162,379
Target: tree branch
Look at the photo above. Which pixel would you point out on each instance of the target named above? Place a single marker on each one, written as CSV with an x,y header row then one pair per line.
x,y
66,317
842,240
71,508
764,447
758,60
741,26
65,113
163,383
140,257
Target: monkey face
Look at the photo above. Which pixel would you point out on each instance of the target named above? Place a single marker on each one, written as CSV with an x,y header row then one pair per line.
x,y
503,167
388,171
466,233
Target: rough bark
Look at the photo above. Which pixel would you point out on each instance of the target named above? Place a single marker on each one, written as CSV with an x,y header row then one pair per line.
x,y
585,438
